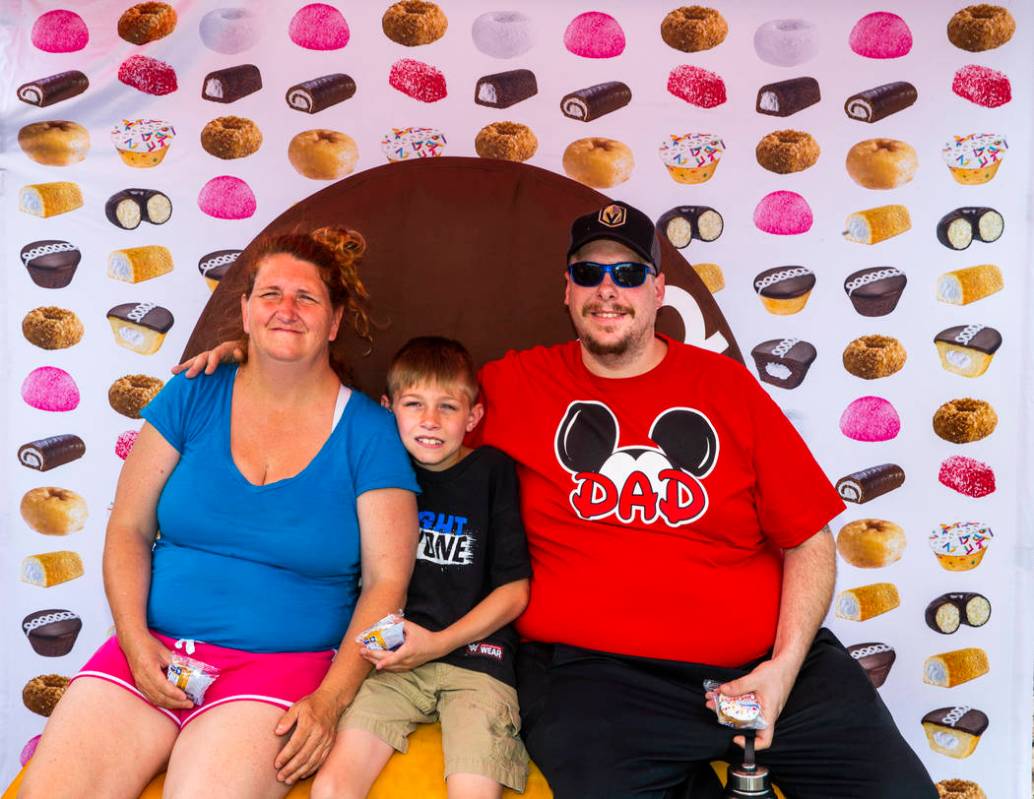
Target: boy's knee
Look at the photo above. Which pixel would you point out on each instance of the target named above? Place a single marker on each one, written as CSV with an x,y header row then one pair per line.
x,y
327,785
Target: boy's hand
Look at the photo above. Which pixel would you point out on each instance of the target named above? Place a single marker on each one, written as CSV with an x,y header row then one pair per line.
x,y
421,645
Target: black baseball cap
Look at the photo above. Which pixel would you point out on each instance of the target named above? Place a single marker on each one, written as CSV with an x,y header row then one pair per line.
x,y
621,223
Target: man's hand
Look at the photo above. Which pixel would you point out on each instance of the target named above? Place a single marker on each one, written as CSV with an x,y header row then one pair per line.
x,y
314,719
209,360
771,683
421,645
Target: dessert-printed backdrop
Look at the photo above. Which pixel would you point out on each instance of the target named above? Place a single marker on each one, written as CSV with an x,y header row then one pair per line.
x,y
850,184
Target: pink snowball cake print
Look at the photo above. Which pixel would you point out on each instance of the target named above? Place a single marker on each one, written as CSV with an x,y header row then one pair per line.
x,y
594,35
783,213
49,388
60,31
319,26
227,197
881,34
870,419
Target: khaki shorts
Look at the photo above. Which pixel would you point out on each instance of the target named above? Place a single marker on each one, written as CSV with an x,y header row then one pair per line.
x,y
479,715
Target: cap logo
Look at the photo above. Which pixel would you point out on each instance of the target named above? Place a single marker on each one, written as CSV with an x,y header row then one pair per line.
x,y
613,215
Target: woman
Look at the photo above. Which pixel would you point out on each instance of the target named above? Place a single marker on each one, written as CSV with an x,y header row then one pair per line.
x,y
267,481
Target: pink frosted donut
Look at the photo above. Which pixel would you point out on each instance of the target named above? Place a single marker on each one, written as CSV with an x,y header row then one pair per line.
x,y
870,419
60,31
784,213
50,389
594,35
227,197
881,35
125,443
319,26
28,750
418,80
982,85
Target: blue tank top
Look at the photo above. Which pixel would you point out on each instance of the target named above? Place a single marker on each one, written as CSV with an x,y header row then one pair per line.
x,y
271,568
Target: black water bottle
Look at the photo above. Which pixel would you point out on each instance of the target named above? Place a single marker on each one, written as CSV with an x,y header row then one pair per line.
x,y
748,780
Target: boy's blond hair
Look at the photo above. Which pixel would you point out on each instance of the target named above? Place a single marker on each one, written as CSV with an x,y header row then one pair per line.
x,y
432,359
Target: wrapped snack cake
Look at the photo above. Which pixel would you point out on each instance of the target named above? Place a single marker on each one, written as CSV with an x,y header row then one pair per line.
x,y
387,634
739,712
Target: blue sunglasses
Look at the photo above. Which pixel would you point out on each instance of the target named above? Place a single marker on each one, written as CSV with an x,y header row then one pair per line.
x,y
626,275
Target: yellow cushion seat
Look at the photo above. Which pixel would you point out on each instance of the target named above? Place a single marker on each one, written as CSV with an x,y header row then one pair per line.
x,y
417,773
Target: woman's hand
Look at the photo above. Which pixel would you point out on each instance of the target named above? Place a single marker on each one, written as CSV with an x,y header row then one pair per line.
x,y
148,658
421,645
314,719
209,360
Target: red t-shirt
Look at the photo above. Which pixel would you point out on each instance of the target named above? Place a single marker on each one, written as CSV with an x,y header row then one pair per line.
x,y
656,506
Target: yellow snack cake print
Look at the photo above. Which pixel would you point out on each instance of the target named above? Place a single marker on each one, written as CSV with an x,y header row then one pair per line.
x,y
963,286
877,224
51,568
50,199
867,601
136,264
949,669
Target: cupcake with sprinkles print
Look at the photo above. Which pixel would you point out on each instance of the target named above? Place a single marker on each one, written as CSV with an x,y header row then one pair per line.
x,y
142,143
974,158
404,144
692,157
960,546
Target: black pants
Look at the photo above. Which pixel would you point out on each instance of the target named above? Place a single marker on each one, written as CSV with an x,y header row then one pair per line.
x,y
604,726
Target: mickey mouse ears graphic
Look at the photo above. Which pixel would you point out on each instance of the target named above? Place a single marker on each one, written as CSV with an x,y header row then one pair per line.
x,y
469,248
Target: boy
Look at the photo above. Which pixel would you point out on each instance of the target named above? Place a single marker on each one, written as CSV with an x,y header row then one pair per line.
x,y
470,581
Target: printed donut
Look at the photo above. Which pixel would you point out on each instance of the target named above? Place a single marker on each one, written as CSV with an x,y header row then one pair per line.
x,y
52,328
882,163
231,137
146,22
54,143
598,162
130,394
503,34
694,28
323,154
414,22
53,511
871,543
872,357
786,42
229,30
785,151
964,420
981,27
41,694
510,141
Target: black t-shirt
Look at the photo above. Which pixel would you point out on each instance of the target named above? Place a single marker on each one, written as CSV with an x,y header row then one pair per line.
x,y
471,542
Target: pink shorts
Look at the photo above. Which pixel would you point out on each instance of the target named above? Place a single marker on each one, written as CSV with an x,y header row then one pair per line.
x,y
278,678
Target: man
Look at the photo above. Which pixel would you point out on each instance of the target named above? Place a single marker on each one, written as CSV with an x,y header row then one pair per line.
x,y
677,527
678,531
